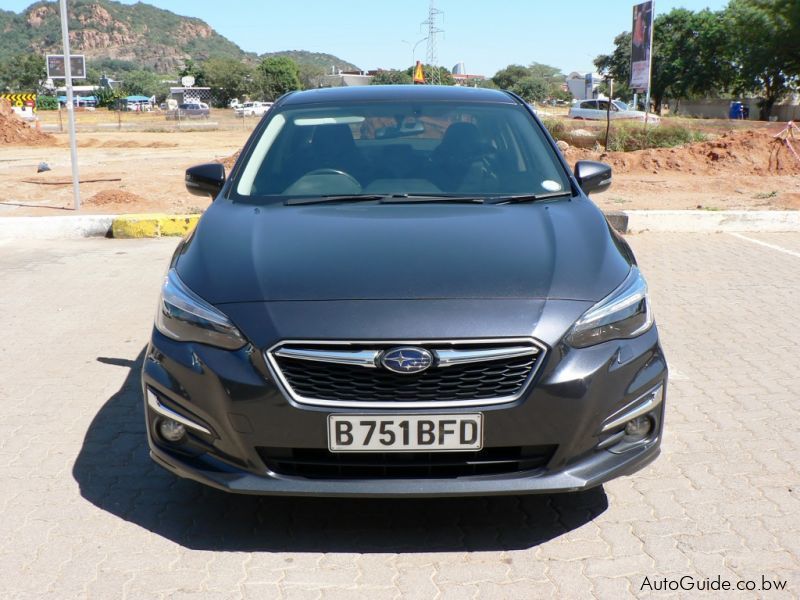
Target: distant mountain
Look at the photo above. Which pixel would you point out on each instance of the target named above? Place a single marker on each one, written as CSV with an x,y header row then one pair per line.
x,y
140,34
319,60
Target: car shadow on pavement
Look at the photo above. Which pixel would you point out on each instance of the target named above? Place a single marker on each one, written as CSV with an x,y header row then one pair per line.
x,y
116,474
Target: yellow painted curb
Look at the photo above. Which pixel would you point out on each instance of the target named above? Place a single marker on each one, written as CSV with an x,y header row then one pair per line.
x,y
152,225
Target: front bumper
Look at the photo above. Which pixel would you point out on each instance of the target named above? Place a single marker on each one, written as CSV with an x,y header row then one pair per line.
x,y
234,396
589,473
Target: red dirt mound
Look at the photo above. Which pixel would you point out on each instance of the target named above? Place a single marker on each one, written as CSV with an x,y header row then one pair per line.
x,y
735,153
14,130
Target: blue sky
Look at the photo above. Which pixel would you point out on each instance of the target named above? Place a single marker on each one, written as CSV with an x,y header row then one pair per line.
x,y
486,36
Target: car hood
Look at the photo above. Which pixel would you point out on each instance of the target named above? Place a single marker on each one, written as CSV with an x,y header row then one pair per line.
x,y
547,250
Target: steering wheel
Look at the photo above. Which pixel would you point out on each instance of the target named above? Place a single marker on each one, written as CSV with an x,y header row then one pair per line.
x,y
333,172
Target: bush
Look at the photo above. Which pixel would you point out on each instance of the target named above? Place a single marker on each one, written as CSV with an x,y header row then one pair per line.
x,y
46,102
629,137
556,127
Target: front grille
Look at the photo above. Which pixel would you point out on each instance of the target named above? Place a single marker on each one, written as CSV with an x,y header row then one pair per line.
x,y
315,463
485,382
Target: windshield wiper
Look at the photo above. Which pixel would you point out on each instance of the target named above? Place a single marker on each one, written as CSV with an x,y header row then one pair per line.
x,y
421,198
527,197
340,198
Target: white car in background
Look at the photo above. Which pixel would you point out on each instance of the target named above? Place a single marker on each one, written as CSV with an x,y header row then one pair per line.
x,y
252,109
596,110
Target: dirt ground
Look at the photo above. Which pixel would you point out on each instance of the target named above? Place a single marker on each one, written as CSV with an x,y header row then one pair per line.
x,y
142,171
121,172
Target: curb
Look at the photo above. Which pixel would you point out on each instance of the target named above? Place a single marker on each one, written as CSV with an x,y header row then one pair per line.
x,y
704,221
152,225
51,228
617,219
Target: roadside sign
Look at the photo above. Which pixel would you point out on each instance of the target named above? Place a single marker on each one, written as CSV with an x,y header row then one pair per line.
x,y
419,76
56,67
641,45
20,100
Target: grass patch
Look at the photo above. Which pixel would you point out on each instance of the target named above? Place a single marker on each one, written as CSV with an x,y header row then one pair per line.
x,y
556,127
627,138
765,195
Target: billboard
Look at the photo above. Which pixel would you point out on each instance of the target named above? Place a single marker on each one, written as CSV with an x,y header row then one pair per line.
x,y
56,66
641,42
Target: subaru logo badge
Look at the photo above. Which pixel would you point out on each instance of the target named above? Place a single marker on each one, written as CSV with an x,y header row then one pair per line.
x,y
407,360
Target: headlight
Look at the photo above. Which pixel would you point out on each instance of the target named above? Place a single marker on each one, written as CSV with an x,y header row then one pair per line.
x,y
625,313
182,315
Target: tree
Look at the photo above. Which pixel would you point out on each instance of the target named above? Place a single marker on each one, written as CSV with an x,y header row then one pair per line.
x,y
276,76
506,78
228,78
107,97
390,77
22,73
311,76
487,84
618,63
689,56
762,51
531,89
445,76
536,82
786,14
192,69
144,83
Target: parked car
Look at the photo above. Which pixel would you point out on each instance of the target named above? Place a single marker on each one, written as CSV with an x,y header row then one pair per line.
x,y
190,110
598,109
252,109
436,310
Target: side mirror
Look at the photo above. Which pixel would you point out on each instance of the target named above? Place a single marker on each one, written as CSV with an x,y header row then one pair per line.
x,y
205,180
593,176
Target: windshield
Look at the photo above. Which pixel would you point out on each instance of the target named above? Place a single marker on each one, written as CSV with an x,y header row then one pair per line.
x,y
387,148
620,105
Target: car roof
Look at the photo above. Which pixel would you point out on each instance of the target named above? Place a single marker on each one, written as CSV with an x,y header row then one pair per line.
x,y
386,93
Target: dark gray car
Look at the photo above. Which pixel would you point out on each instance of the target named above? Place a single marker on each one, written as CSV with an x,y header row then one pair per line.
x,y
403,291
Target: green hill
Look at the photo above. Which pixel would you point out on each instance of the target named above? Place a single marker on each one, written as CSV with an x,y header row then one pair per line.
x,y
130,36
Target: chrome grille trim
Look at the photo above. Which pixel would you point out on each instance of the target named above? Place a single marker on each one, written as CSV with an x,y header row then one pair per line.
x,y
361,358
446,357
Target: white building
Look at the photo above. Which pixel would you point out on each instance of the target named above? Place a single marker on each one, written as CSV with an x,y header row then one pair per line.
x,y
583,86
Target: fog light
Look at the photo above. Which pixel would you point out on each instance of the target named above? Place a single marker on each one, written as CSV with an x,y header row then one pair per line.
x,y
638,427
170,430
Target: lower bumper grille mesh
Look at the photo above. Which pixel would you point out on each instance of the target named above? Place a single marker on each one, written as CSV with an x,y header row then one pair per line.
x,y
316,463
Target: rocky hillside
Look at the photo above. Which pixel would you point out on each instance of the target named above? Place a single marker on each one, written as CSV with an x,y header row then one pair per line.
x,y
140,33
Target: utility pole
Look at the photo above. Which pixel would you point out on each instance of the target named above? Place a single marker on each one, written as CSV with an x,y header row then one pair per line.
x,y
432,57
73,146
650,65
610,81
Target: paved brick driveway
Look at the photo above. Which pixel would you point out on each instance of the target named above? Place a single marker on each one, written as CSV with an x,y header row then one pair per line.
x,y
84,513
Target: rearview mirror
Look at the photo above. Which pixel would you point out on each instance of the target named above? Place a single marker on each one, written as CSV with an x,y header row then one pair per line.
x,y
205,180
593,176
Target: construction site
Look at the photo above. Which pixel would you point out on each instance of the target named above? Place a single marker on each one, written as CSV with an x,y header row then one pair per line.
x,y
138,165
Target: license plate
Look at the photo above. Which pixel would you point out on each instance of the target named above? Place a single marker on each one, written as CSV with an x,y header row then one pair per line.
x,y
405,433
